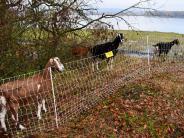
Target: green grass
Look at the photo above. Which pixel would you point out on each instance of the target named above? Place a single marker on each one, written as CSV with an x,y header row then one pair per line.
x,y
133,35
138,40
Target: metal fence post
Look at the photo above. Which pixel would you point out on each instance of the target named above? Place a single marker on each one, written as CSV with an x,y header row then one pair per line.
x,y
148,53
54,98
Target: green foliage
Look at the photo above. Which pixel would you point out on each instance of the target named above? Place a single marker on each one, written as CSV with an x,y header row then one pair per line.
x,y
33,49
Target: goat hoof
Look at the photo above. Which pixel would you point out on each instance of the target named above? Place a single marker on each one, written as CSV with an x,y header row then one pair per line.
x,y
39,117
45,110
21,127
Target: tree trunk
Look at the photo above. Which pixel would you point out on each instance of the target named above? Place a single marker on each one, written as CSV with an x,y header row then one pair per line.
x,y
54,46
5,27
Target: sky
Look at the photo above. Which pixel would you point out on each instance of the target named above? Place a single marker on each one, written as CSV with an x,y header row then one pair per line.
x,y
171,5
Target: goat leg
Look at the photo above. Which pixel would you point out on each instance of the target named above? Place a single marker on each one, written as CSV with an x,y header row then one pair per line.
x,y
3,112
39,110
44,107
14,110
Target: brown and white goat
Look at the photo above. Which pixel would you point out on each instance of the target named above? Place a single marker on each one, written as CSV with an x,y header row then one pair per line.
x,y
13,93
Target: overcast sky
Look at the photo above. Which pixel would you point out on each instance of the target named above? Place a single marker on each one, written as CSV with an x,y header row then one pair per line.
x,y
171,5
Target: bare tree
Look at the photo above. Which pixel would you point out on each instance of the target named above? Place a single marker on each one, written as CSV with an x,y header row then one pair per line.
x,y
58,18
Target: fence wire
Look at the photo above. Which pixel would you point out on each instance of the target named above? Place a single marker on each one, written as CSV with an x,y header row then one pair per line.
x,y
71,93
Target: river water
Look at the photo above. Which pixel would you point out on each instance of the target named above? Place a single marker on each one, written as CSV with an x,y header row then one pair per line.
x,y
143,23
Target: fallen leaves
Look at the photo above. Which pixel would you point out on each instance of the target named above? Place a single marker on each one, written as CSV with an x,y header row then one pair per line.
x,y
148,107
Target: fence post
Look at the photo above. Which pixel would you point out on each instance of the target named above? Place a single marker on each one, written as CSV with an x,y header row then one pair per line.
x,y
148,53
54,97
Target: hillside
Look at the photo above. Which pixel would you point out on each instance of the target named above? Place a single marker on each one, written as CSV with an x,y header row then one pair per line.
x,y
171,14
166,14
148,107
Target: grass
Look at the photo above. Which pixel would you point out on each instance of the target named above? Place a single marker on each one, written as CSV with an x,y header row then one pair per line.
x,y
160,35
138,40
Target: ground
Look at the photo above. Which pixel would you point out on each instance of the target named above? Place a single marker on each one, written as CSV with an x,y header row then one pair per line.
x,y
148,107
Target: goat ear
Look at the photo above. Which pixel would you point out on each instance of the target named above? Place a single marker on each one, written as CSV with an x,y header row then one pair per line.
x,y
120,35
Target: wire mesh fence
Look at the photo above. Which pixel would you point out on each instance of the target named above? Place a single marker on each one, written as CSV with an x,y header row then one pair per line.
x,y
67,95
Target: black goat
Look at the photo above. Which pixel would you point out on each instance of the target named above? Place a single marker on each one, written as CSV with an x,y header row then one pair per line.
x,y
107,50
165,47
